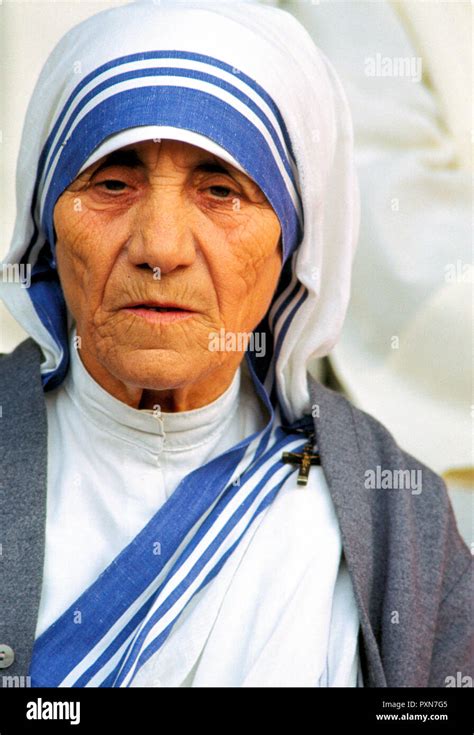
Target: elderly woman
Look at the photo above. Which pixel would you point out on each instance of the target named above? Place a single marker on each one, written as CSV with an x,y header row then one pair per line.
x,y
184,505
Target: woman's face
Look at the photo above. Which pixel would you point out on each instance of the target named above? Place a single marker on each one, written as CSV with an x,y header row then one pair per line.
x,y
164,224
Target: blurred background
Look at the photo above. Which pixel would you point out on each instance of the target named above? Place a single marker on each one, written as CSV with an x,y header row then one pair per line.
x,y
406,348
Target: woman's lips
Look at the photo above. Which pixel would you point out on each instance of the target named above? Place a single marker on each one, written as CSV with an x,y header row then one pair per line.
x,y
159,314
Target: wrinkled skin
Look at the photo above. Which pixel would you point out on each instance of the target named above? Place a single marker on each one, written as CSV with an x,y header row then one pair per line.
x,y
216,242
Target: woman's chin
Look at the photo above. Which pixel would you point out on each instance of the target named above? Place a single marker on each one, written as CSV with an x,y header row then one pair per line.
x,y
156,369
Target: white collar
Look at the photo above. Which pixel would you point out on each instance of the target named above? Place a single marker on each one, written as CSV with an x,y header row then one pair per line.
x,y
167,432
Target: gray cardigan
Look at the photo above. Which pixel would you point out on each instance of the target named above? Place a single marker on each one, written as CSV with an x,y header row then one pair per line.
x,y
410,569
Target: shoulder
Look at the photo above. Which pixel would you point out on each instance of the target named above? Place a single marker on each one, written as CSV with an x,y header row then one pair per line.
x,y
26,355
375,444
402,491
21,392
401,541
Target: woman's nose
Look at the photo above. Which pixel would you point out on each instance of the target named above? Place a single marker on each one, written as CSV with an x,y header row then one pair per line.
x,y
162,234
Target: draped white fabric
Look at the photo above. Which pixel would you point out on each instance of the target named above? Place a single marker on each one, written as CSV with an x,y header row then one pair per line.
x,y
406,343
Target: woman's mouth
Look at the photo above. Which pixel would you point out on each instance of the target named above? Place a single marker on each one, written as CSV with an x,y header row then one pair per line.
x,y
159,313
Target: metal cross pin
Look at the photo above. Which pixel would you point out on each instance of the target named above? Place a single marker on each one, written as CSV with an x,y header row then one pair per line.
x,y
304,459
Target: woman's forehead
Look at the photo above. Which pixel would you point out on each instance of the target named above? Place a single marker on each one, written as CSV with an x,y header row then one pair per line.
x,y
147,151
142,136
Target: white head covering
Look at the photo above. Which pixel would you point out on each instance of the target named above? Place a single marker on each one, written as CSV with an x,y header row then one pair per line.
x,y
241,80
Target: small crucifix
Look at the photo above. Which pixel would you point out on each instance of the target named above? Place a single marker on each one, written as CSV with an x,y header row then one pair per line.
x,y
304,459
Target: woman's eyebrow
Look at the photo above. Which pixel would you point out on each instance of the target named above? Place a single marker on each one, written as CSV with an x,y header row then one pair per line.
x,y
212,167
216,167
128,158
131,159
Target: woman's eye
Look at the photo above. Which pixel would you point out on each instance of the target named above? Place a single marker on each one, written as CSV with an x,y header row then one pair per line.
x,y
112,184
220,191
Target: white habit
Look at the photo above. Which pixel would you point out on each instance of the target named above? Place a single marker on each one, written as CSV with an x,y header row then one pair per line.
x,y
281,611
